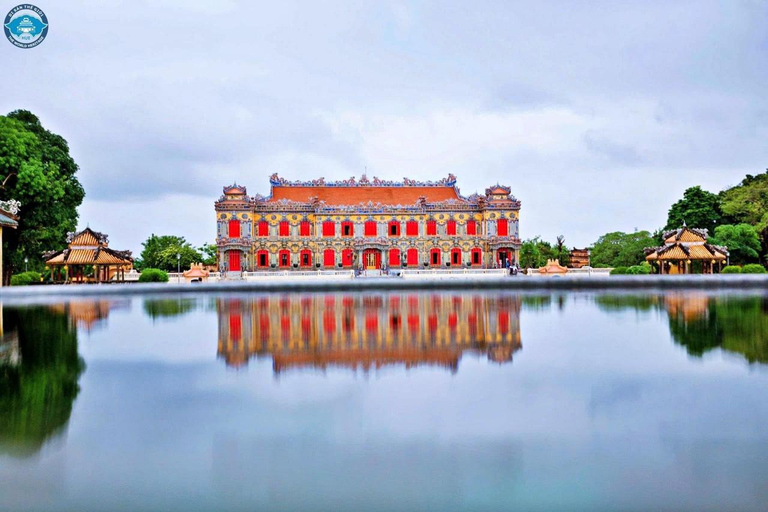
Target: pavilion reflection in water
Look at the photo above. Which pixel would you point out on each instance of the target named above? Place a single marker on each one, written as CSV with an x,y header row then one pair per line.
x,y
367,331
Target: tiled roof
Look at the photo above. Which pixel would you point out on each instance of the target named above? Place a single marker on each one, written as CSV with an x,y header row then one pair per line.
x,y
97,256
681,251
7,221
336,196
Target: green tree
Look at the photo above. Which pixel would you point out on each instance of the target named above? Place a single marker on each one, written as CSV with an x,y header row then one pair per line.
x,y
37,170
560,252
748,202
741,240
530,255
160,252
618,249
698,209
209,252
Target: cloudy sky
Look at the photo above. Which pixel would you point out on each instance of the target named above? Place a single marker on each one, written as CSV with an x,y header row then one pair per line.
x,y
598,114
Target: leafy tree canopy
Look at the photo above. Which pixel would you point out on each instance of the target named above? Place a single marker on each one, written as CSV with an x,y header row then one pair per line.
x,y
742,241
620,249
37,170
698,209
748,202
209,252
160,252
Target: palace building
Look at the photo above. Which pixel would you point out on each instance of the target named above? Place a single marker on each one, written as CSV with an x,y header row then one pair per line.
x,y
366,224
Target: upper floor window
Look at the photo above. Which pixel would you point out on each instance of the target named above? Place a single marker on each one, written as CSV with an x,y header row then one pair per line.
x,y
304,228
394,228
502,227
450,227
370,228
431,228
347,229
234,229
471,227
412,228
284,228
329,228
263,228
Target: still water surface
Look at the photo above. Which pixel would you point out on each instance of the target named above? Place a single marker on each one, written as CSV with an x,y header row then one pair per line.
x,y
387,401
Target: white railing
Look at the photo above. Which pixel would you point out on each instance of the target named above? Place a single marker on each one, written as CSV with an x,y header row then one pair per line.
x,y
444,273
575,272
298,274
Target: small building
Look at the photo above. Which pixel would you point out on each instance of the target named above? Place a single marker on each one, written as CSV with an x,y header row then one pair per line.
x,y
553,267
8,219
579,258
686,251
88,248
197,272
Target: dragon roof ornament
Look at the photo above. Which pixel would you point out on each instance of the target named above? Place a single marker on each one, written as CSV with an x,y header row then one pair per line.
x,y
277,181
11,206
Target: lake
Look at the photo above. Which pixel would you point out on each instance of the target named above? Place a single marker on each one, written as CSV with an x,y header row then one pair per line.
x,y
386,401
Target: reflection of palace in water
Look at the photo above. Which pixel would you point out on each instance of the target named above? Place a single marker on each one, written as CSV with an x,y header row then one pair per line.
x,y
364,332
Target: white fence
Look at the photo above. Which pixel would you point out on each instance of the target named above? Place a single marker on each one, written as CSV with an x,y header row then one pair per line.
x,y
444,273
322,275
575,272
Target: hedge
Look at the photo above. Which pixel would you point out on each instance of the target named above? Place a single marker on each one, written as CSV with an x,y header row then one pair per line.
x,y
618,271
731,269
753,268
637,270
153,275
25,278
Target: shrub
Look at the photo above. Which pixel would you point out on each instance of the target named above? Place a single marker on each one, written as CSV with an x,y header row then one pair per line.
x,y
25,278
153,275
619,271
731,269
636,270
753,268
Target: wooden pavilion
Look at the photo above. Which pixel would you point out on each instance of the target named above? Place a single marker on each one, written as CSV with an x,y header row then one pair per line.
x,y
88,248
684,246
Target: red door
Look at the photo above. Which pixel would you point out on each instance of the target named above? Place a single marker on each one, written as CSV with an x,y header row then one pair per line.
x,y
413,257
371,259
234,261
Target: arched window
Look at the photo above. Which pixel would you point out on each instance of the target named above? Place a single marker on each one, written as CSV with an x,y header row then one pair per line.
x,y
413,257
284,229
394,228
263,228
304,228
394,257
329,258
455,256
502,227
434,256
477,256
346,257
262,259
305,258
234,229
347,229
284,258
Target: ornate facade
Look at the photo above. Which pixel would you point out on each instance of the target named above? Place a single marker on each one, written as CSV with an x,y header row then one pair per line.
x,y
366,224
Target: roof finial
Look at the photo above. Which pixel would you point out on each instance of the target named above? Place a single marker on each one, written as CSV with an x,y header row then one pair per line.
x,y
683,222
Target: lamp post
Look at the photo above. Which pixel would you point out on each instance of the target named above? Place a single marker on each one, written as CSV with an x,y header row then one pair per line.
x,y
178,267
26,260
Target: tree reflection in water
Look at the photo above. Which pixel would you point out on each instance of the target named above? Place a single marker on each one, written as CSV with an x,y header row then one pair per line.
x,y
701,323
38,383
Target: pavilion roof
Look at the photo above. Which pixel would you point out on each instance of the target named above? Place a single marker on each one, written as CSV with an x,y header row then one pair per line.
x,y
88,247
337,196
686,251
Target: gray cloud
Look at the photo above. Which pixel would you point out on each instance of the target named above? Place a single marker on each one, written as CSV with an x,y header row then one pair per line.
x,y
169,98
